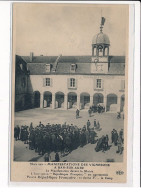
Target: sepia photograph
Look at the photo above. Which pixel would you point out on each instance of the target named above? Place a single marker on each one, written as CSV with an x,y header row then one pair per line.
x,y
69,92
69,100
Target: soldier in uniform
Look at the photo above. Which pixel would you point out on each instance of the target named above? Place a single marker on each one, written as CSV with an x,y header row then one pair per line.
x,y
99,145
57,158
77,113
95,125
90,112
15,133
87,134
47,157
88,125
120,145
31,127
121,135
106,140
115,137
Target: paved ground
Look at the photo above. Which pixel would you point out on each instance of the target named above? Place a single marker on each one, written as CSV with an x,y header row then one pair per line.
x,y
108,121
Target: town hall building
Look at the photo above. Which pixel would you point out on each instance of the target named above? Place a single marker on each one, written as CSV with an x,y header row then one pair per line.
x,y
71,82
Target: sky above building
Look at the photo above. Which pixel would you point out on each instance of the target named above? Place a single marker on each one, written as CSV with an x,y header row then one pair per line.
x,y
67,29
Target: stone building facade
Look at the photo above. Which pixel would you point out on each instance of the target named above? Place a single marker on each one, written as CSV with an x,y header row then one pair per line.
x,y
70,82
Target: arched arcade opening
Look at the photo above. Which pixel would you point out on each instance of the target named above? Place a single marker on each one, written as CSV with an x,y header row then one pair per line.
x,y
98,98
72,100
111,102
36,95
47,99
84,100
59,100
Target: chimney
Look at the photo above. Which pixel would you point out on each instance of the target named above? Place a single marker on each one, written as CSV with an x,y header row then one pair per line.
x,y
31,56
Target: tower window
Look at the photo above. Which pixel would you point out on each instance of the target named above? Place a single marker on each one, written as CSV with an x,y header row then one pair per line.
x,y
100,51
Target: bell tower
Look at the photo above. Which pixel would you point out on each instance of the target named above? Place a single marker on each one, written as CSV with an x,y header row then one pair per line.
x,y
100,51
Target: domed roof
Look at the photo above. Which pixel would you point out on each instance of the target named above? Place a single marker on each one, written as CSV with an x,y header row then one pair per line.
x,y
100,38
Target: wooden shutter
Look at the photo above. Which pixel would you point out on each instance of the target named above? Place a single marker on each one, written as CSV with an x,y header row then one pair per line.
x,y
51,82
75,83
68,82
44,82
102,81
95,80
122,84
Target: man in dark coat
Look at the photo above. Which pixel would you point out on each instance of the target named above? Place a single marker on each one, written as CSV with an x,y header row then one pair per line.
x,y
88,125
95,125
115,138
90,112
121,135
77,113
57,158
106,140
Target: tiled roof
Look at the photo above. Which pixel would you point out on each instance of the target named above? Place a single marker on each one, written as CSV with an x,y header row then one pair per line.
x,y
62,59
82,68
40,59
70,59
117,59
117,68
38,66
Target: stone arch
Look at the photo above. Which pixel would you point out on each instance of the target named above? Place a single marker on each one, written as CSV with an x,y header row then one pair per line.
x,y
36,96
59,99
111,99
100,50
72,100
98,98
47,99
84,100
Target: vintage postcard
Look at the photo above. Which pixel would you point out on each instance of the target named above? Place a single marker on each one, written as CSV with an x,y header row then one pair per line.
x,y
69,92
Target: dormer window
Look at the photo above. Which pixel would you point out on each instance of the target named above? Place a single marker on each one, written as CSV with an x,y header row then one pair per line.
x,y
48,67
73,68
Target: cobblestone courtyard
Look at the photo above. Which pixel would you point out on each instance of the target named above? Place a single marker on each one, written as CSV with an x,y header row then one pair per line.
x,y
107,121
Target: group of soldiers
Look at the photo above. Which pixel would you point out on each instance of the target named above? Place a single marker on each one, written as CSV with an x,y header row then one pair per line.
x,y
98,108
56,137
65,138
92,109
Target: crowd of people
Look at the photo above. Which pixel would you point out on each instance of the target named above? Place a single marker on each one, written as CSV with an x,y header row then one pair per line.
x,y
64,138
